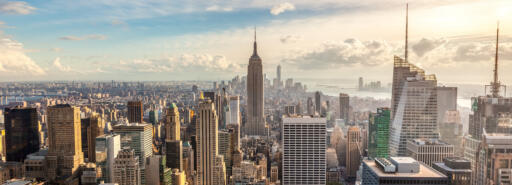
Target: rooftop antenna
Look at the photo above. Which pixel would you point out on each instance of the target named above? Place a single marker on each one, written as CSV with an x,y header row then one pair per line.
x,y
495,84
406,31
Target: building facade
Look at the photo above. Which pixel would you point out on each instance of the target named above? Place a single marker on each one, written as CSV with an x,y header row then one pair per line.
x,y
135,112
429,151
21,133
378,133
255,99
304,162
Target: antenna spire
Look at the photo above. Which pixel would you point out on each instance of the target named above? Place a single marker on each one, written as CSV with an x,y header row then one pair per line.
x,y
255,51
406,31
496,84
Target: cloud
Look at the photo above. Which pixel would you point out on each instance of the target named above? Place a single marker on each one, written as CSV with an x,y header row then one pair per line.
x,y
56,49
15,7
348,53
60,67
14,62
216,8
86,37
195,63
290,38
280,8
426,45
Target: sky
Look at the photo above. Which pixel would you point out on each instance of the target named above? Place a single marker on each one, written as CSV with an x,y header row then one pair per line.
x,y
146,40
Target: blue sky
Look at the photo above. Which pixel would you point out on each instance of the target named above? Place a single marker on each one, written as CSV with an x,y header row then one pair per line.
x,y
211,40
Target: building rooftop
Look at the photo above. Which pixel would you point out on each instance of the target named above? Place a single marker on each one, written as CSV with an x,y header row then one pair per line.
x,y
424,171
304,119
428,142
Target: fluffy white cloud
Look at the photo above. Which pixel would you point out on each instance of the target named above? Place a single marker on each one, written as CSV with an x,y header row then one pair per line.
x,y
280,8
15,7
86,37
14,62
348,53
60,67
194,63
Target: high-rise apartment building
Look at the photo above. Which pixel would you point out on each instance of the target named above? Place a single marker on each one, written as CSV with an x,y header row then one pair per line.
x,y
344,106
354,151
139,137
233,117
304,146
378,133
255,124
21,133
127,168
207,143
429,151
65,144
135,112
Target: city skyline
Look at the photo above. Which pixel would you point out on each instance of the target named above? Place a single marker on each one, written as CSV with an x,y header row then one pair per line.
x,y
54,41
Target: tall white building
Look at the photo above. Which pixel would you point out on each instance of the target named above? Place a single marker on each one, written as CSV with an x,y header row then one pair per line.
x,y
234,111
107,148
304,146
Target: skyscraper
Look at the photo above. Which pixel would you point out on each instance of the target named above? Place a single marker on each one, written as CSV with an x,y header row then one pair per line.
x,y
173,144
344,106
92,127
207,140
139,137
65,143
378,143
135,111
414,105
354,151
107,148
318,103
255,99
21,133
310,106
304,162
279,73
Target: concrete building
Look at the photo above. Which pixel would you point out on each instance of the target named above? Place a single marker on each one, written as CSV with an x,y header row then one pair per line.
x,y
344,106
107,148
89,174
233,117
21,133
65,144
354,151
378,133
304,162
429,151
34,165
126,168
310,107
155,169
400,170
457,169
139,137
255,99
135,112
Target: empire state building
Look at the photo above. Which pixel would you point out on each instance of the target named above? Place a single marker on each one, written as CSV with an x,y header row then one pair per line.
x,y
255,125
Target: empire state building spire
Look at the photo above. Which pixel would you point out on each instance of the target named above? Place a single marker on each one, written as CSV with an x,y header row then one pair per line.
x,y
255,49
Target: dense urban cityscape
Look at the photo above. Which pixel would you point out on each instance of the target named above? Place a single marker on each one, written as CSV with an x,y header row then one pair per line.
x,y
256,130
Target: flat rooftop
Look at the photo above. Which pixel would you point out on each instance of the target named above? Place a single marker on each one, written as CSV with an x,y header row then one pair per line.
x,y
425,172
